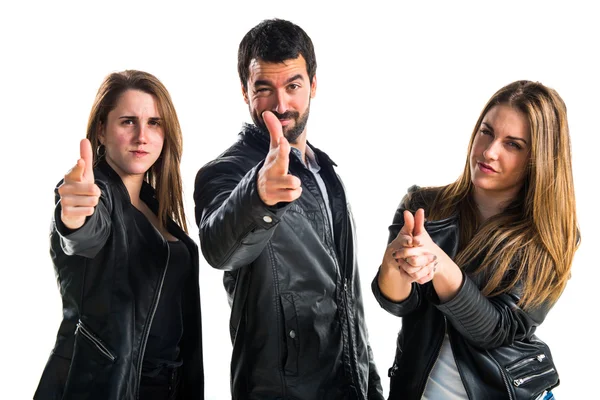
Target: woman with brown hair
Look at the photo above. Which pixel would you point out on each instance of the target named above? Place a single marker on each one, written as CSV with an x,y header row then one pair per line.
x,y
126,268
475,278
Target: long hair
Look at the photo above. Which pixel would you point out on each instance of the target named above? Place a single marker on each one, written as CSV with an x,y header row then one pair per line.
x,y
533,241
164,175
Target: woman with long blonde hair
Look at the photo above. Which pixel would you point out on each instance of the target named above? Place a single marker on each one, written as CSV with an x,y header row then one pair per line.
x,y
473,267
126,268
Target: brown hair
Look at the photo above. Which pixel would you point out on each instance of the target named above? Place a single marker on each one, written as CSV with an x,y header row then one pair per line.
x,y
164,175
533,241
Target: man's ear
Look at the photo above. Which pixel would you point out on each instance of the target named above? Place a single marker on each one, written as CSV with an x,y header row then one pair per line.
x,y
244,92
313,87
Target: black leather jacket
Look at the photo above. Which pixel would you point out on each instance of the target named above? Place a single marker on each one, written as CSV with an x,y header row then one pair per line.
x,y
492,338
110,273
297,321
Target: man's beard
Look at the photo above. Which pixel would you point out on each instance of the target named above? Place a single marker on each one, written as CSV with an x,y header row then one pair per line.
x,y
290,134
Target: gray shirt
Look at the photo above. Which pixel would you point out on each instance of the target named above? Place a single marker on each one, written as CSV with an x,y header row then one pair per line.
x,y
314,168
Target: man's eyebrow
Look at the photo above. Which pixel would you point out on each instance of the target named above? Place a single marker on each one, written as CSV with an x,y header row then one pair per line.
x,y
295,77
264,82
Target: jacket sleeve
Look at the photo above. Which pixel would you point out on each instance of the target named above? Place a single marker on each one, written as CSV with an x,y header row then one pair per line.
x,y
412,302
234,224
489,322
375,392
88,240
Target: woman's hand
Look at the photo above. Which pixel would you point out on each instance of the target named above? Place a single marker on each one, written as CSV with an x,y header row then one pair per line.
x,y
396,274
79,194
443,272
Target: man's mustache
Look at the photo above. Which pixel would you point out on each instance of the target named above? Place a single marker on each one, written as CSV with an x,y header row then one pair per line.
x,y
287,115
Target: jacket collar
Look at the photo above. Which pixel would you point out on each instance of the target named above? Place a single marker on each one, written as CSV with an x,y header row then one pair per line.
x,y
147,192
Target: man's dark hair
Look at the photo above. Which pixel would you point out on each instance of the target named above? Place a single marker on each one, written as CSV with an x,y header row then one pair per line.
x,y
275,40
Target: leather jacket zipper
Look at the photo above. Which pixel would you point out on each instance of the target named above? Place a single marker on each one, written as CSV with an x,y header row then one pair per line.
x,y
518,382
538,358
330,227
86,333
147,327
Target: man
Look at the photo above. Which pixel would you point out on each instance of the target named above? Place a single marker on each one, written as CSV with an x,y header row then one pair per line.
x,y
272,214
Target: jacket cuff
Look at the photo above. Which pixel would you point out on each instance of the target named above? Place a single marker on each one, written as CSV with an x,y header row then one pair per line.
x,y
264,216
399,309
79,241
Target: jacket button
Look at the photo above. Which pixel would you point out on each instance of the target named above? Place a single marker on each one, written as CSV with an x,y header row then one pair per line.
x,y
267,219
292,333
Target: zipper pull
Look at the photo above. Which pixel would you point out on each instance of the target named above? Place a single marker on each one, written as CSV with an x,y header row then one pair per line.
x,y
77,327
541,357
518,382
346,285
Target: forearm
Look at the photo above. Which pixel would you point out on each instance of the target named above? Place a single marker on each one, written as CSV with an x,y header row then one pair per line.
x,y
89,239
401,308
448,278
392,286
235,225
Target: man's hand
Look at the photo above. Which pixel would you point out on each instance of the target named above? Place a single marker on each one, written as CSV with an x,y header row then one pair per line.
x,y
274,183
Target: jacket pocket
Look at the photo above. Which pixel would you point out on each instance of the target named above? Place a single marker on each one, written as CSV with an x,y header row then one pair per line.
x,y
528,367
93,340
91,367
291,341
535,371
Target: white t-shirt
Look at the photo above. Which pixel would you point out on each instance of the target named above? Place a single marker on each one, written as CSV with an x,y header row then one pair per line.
x,y
444,380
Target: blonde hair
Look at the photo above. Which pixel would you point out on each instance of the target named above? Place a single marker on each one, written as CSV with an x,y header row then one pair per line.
x,y
164,175
533,241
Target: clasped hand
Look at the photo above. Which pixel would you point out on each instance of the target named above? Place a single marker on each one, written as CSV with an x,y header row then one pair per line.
x,y
412,254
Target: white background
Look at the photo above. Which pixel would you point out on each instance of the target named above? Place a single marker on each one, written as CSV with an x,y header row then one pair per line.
x,y
400,87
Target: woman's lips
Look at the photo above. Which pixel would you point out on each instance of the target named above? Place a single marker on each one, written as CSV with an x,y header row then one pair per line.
x,y
486,168
139,153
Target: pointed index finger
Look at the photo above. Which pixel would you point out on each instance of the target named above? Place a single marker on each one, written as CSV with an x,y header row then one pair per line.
x,y
274,127
419,222
409,223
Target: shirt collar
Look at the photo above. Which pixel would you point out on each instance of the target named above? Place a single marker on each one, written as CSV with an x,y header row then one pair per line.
x,y
311,158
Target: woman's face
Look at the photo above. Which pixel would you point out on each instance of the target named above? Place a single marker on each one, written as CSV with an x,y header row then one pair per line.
x,y
500,152
133,134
